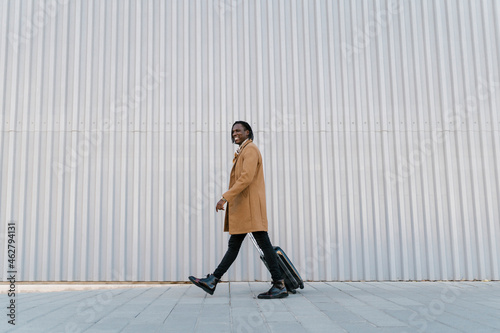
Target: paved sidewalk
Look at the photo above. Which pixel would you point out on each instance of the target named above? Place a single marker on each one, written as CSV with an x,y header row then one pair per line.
x,y
320,307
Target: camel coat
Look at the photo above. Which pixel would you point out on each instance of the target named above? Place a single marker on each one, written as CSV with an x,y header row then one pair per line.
x,y
246,197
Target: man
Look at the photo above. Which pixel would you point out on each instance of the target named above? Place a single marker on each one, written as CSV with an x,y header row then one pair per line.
x,y
246,212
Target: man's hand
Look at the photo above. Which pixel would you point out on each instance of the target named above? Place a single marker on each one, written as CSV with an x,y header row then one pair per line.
x,y
220,205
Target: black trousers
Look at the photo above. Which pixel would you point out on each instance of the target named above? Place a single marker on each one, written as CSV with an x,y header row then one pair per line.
x,y
234,246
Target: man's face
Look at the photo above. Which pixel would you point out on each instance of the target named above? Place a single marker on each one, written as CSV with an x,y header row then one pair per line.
x,y
240,134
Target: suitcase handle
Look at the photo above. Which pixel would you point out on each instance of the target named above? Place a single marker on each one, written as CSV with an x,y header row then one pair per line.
x,y
256,245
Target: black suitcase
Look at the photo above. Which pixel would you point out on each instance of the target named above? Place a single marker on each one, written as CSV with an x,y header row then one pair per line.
x,y
292,277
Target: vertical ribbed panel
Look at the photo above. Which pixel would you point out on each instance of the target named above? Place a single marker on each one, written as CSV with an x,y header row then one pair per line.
x,y
378,123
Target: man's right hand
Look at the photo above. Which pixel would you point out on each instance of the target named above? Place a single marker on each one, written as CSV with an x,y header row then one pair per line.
x,y
220,205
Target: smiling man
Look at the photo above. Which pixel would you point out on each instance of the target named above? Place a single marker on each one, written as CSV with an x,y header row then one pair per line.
x,y
246,212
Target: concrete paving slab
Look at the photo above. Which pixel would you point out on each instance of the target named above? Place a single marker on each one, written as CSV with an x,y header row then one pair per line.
x,y
363,327
317,323
213,327
344,316
279,317
141,327
321,307
290,327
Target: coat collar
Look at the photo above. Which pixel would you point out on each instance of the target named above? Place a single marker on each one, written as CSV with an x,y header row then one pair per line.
x,y
240,149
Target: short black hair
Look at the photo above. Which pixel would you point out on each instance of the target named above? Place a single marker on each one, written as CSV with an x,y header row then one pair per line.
x,y
247,127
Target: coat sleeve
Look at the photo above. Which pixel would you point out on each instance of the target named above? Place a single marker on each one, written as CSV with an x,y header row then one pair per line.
x,y
250,164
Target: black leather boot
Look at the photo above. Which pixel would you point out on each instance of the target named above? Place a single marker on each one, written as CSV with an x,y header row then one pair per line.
x,y
278,290
208,284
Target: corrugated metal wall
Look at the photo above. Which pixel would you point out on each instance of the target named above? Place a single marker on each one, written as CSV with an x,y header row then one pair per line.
x,y
378,123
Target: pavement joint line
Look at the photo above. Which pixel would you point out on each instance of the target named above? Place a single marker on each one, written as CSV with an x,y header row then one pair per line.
x,y
231,324
440,320
52,297
45,313
256,304
121,305
176,303
143,310
34,319
385,300
202,307
286,304
469,319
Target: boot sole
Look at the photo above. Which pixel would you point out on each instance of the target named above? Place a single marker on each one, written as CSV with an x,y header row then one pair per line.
x,y
207,290
272,297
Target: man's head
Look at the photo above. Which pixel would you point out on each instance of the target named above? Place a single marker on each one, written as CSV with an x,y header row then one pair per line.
x,y
241,131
